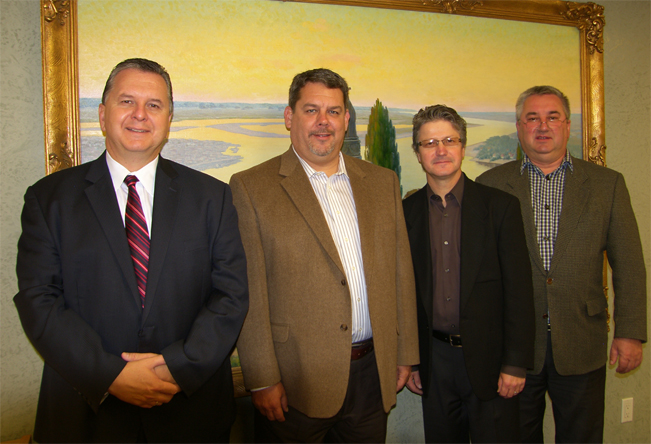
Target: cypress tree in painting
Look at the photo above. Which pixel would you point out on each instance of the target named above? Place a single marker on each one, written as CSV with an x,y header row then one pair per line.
x,y
381,146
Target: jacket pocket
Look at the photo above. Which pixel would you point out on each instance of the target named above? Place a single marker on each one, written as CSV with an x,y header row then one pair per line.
x,y
596,305
280,332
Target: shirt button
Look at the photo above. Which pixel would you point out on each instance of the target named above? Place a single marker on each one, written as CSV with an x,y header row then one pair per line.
x,y
550,281
447,299
546,238
546,207
445,242
447,270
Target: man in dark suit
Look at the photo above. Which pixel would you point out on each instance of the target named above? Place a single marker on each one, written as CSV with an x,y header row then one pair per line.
x,y
331,333
475,296
573,212
135,325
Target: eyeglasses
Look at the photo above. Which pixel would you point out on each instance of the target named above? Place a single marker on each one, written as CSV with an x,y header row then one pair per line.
x,y
433,143
536,122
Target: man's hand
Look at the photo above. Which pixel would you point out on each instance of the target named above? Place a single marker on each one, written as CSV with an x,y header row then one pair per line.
x,y
413,383
271,402
403,373
161,370
629,352
509,386
139,385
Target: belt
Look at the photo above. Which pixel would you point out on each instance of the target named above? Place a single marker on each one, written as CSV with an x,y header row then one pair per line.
x,y
361,349
453,340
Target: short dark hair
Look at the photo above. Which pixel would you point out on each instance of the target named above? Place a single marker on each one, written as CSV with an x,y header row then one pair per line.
x,y
434,113
141,65
541,91
320,75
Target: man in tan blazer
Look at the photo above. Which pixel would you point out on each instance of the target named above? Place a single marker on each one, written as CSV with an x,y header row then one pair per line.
x,y
332,300
573,211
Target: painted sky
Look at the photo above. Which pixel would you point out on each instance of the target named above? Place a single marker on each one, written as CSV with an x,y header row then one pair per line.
x,y
249,50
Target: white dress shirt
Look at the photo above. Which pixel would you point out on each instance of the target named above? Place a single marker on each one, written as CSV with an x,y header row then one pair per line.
x,y
145,186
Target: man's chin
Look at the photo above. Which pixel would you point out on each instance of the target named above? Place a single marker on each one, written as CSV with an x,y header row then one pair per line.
x,y
322,151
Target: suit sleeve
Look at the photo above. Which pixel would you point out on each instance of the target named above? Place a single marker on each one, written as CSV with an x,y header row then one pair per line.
x,y
624,251
519,324
64,340
214,332
255,345
408,352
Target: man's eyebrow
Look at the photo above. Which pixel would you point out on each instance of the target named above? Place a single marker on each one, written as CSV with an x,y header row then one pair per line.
x,y
535,113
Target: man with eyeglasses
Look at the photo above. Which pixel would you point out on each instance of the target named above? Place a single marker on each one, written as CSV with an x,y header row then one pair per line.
x,y
475,295
573,211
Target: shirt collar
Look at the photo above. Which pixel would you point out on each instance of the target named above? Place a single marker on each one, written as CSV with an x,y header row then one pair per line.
x,y
456,191
566,163
146,175
341,167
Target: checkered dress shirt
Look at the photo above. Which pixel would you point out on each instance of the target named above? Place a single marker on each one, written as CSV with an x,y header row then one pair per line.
x,y
547,202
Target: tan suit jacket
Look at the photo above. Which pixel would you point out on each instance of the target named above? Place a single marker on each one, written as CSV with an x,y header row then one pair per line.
x,y
596,217
298,328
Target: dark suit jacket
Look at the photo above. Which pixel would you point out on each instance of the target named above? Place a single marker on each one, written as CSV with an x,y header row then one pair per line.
x,y
298,328
78,303
496,295
596,217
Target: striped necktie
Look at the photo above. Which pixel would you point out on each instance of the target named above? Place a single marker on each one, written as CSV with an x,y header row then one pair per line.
x,y
137,235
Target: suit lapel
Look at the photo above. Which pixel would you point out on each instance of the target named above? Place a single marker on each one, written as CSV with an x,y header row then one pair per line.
x,y
297,186
166,202
417,219
575,197
473,239
518,185
101,196
366,215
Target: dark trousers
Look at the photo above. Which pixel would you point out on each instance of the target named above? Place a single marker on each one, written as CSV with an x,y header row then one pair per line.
x,y
452,413
577,403
361,418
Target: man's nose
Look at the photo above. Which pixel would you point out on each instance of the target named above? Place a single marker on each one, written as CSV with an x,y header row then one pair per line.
x,y
140,112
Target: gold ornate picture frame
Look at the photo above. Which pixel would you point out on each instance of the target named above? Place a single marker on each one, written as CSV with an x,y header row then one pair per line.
x,y
59,34
61,76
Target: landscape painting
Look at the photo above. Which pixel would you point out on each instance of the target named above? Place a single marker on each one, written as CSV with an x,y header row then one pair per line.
x,y
232,61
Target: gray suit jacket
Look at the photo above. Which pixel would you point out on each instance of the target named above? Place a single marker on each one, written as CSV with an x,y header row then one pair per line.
x,y
596,217
298,328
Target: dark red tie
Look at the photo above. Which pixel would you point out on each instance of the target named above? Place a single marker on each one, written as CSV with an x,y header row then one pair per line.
x,y
137,235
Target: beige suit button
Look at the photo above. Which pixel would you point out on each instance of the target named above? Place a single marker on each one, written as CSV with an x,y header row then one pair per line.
x,y
343,327
343,282
550,281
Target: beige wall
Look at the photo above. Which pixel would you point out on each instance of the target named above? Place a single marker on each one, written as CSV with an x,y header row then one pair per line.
x,y
627,78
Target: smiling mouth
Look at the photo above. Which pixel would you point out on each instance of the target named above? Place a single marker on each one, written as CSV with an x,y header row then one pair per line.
x,y
136,130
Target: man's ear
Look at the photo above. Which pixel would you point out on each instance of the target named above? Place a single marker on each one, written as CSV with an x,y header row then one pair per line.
x,y
101,111
288,117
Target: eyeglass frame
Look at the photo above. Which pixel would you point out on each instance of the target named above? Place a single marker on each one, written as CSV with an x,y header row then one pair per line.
x,y
452,142
554,125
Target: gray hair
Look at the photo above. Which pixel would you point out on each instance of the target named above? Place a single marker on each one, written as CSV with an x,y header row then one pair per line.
x,y
141,65
541,91
434,113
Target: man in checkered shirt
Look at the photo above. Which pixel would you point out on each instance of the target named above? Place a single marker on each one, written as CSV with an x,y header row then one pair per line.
x,y
573,212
